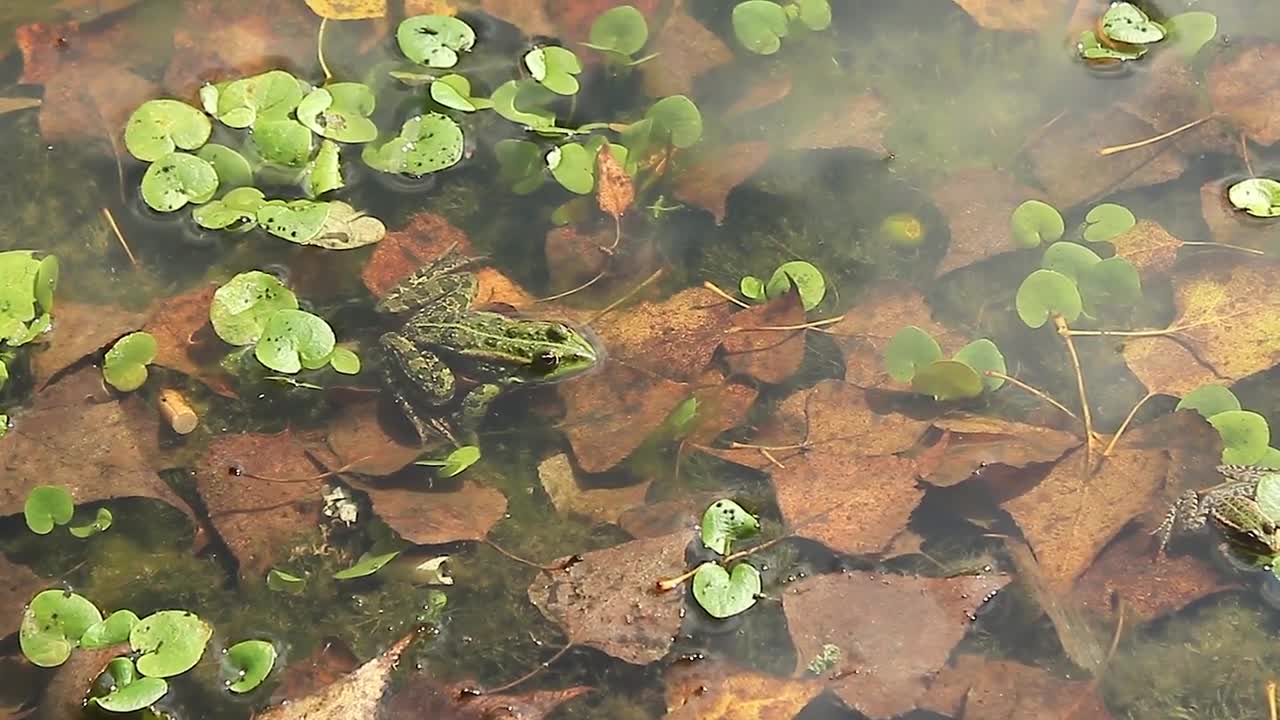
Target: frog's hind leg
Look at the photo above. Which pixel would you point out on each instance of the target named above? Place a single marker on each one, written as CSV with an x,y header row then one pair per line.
x,y
412,375
474,408
1184,514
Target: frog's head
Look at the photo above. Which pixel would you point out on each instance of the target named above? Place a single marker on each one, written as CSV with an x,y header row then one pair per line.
x,y
552,351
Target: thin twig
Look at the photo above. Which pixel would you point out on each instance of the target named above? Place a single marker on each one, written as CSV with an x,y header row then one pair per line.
x,y
716,289
674,582
814,324
578,289
1152,140
1033,390
111,220
1244,153
545,568
241,472
630,294
1065,332
541,666
1271,699
324,22
1125,425
1225,246
776,448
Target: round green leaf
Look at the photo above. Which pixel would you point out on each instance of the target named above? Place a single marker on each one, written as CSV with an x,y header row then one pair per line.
x,y
573,167
129,693
910,349
101,523
1209,400
426,144
283,141
723,594
158,127
232,169
622,30
324,172
177,179
1090,48
237,210
1260,197
459,460
524,102
344,361
241,103
125,366
171,642
1245,436
294,339
340,112
46,282
281,581
946,380
760,25
52,626
1125,23
679,118
365,566
434,40
1106,221
1069,258
454,91
554,67
1190,31
333,225
1114,282
1035,222
1045,293
725,521
247,663
815,14
47,506
520,165
240,308
804,277
1268,496
752,288
983,355
1270,459
113,630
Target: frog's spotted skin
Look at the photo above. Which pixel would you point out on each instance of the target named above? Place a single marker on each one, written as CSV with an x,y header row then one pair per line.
x,y
1232,507
443,340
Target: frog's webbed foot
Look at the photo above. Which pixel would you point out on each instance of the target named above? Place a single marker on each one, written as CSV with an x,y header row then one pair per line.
x,y
1183,515
473,410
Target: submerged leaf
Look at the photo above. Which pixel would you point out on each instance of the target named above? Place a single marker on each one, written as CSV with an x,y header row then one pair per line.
x,y
1209,400
725,521
678,118
1190,31
760,25
983,355
1106,221
1245,436
804,277
910,349
947,380
366,566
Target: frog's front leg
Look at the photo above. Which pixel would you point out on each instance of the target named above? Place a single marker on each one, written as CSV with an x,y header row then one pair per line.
x,y
474,408
416,378
1184,514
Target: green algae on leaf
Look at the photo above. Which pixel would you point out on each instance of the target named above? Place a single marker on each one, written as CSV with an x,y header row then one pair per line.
x,y
554,68
573,166
520,165
340,112
241,103
677,118
294,339
946,380
434,40
247,663
1090,48
125,365
454,91
366,566
241,308
983,355
621,30
1125,22
804,277
333,225
345,361
232,169
1260,197
113,630
177,179
426,144
724,593
725,521
1069,258
237,211
1209,400
101,523
52,626
1107,221
1034,223
1190,31
47,506
159,127
324,173
1245,436
171,642
1044,293
760,26
910,349
130,691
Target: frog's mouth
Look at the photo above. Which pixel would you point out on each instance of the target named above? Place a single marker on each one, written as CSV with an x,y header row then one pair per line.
x,y
590,355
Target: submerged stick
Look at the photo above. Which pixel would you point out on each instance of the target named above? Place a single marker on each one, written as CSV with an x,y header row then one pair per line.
x,y
1125,425
1113,149
716,289
177,412
541,666
1033,390
1065,332
111,220
674,582
630,294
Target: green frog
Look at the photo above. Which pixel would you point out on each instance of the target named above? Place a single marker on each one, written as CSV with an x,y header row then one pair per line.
x,y
449,361
1233,508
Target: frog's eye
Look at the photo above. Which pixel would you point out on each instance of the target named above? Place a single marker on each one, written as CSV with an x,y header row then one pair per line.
x,y
546,361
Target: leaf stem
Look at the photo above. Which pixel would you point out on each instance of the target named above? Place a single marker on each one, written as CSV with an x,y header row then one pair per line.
x,y
324,22
1113,149
111,220
561,565
1033,390
630,294
1225,246
802,326
675,582
1065,332
578,289
716,289
1125,425
541,666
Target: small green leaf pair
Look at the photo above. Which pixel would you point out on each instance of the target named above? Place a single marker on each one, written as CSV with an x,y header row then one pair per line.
x,y
125,365
455,462
760,25
725,592
1035,223
1246,436
799,275
1074,281
913,356
426,144
50,506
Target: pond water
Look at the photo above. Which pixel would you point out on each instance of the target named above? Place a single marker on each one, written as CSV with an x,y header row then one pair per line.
x,y
765,394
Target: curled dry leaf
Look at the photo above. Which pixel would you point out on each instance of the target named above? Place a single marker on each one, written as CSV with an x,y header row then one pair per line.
x,y
1025,15
886,307
977,442
356,695
708,181
976,688
686,50
906,629
602,504
769,356
17,586
614,190
709,690
977,204
608,601
1246,91
79,330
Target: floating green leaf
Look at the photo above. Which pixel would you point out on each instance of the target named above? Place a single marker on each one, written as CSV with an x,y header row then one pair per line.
x,y
1209,400
1045,293
982,355
524,102
434,40
129,691
724,594
101,523
1190,31
281,581
333,225
344,361
365,566
237,210
171,642
1260,197
240,308
46,282
947,380
1245,436
283,141
814,14
232,169
1069,258
1106,221
241,103
459,460
554,67
1035,222
760,26
125,366
177,179
426,144
52,626
47,506
340,112
1268,496
752,288
454,91
324,172
1126,23
677,118
158,127
724,522
621,30
1090,48
1114,282
113,630
247,663
910,349
804,277
573,167
293,340
682,419
520,165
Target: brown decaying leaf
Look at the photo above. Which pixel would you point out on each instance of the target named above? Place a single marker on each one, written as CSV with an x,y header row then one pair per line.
x,y
1149,247
575,256
76,435
885,308
574,19
976,688
608,601
602,504
614,190
326,664
225,39
421,698
17,586
611,412
64,696
768,356
75,110
448,512
710,690
348,9
686,50
23,685
673,338
977,204
978,442
79,330
1230,226
709,180
529,15
894,631
1172,94
1244,89
768,88
360,435
857,122
722,404
1228,309
185,340
259,519
357,695
1025,15
667,516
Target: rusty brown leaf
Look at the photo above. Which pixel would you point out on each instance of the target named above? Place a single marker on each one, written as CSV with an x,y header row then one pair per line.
x,y
79,330
770,87
75,110
768,356
1245,90
611,412
325,665
219,40
17,586
686,50
1149,247
574,256
608,600
602,504
185,340
356,695
530,16
422,698
1171,95
1024,15
976,688
667,516
710,690
976,443
673,338
977,204
447,512
905,629
856,122
614,190
885,308
363,439
1230,226
708,181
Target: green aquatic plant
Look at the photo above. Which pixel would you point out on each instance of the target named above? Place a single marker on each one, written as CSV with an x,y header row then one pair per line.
x,y
232,169
246,664
176,180
333,225
434,40
1209,400
1090,48
324,172
340,112
760,25
129,690
236,211
46,507
725,521
293,340
125,365
1045,293
241,308
101,522
366,566
913,356
454,91
803,277
112,630
169,642
52,625
825,661
1127,23
426,144
455,463
726,591
1035,223
1190,31
1106,221
1246,435
27,284
1260,197
281,581
159,127
619,33
555,68
240,103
